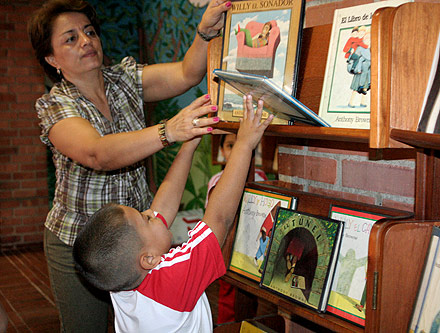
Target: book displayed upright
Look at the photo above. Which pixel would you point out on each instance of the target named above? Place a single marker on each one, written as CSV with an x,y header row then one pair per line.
x,y
426,314
302,257
345,98
264,38
254,228
348,292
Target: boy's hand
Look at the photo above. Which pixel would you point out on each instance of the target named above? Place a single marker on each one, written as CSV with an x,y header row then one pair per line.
x,y
251,128
225,198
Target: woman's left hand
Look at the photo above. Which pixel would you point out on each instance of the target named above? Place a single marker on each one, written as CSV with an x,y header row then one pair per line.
x,y
213,18
190,123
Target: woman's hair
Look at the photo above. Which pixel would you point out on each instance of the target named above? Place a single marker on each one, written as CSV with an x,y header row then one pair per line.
x,y
105,251
40,28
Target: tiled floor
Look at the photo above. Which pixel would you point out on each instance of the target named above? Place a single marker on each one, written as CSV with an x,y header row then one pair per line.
x,y
26,295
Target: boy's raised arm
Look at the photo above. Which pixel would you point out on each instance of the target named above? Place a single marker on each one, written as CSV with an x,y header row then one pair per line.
x,y
225,198
169,194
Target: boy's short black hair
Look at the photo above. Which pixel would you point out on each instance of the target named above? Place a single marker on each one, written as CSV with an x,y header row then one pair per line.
x,y
105,251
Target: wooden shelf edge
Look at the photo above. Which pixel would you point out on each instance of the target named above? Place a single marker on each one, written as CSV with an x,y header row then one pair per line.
x,y
307,132
416,139
331,322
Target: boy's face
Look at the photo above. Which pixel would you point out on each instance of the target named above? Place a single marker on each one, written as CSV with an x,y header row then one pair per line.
x,y
154,234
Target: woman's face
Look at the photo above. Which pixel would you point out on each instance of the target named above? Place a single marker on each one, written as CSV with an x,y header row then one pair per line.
x,y
76,46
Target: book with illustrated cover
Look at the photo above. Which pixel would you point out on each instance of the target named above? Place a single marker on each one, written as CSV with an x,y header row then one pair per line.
x,y
426,313
253,326
302,257
345,98
264,38
254,229
276,100
348,293
429,121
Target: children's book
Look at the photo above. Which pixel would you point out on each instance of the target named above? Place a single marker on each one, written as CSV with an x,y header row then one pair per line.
x,y
253,326
254,229
345,98
276,100
260,37
426,313
302,257
347,296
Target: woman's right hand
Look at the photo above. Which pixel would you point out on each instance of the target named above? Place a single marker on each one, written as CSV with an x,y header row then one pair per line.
x,y
190,123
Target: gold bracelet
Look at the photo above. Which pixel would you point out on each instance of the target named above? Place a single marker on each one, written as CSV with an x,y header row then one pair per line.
x,y
206,37
162,135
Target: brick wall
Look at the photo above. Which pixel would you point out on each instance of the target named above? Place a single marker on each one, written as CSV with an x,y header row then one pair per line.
x,y
349,175
23,170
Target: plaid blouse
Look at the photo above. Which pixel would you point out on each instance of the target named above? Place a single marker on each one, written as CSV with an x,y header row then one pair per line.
x,y
80,191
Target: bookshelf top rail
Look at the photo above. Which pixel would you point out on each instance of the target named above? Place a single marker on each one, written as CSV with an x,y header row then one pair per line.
x,y
307,132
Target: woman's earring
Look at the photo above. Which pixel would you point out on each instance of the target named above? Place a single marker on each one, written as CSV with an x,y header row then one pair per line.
x,y
59,71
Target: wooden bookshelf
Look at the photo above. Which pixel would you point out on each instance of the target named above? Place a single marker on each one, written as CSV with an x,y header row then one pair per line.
x,y
403,43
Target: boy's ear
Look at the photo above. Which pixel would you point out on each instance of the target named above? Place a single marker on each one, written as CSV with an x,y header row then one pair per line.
x,y
148,262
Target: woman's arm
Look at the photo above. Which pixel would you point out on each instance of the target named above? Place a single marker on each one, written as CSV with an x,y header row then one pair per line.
x,y
77,139
161,81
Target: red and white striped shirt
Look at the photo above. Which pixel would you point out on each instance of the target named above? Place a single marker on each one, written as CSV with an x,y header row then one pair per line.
x,y
172,296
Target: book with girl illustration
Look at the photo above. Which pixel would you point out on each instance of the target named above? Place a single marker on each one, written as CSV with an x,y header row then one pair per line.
x,y
262,38
345,98
254,229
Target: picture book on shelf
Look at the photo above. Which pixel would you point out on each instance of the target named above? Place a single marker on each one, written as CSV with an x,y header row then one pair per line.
x,y
345,98
264,38
276,100
302,257
429,121
426,313
254,229
348,292
253,326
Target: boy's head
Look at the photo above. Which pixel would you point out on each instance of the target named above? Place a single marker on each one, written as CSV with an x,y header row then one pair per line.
x,y
118,246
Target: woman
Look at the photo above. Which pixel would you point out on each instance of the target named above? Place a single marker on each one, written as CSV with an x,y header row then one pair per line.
x,y
93,121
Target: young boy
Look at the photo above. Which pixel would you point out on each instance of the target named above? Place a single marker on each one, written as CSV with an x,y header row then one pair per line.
x,y
128,252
